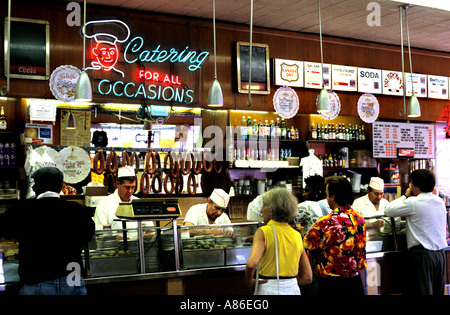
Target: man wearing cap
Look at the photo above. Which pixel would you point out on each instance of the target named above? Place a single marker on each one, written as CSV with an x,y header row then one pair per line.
x,y
212,212
51,233
373,203
105,213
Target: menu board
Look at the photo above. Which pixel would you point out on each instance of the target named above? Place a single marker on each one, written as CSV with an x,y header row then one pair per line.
x,y
343,78
313,75
388,137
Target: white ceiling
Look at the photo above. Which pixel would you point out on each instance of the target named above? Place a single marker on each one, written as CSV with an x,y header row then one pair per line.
x,y
429,28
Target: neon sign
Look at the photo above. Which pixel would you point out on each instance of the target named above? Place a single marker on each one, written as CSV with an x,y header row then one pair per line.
x,y
156,55
106,55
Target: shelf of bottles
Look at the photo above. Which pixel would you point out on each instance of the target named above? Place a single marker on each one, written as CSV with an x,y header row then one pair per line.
x,y
258,145
338,132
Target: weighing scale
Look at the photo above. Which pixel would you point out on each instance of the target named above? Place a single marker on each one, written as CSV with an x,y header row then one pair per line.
x,y
149,209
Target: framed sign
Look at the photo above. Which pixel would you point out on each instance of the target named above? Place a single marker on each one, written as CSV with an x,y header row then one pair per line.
x,y
313,75
287,72
369,80
438,87
392,82
343,78
29,49
260,80
420,84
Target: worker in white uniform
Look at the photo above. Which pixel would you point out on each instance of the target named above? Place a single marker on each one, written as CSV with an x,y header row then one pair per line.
x,y
105,213
212,212
373,203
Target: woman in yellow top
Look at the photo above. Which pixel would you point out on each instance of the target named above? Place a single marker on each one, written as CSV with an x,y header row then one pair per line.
x,y
277,249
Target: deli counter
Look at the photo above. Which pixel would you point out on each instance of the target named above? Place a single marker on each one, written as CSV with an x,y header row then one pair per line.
x,y
163,257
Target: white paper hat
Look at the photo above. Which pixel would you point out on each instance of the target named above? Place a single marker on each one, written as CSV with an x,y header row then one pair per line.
x,y
376,183
220,197
126,171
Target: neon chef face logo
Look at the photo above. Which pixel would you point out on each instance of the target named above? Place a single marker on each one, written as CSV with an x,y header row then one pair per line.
x,y
106,55
105,52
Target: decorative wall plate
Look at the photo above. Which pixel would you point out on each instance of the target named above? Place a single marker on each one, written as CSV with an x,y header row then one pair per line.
x,y
368,108
63,81
285,102
76,164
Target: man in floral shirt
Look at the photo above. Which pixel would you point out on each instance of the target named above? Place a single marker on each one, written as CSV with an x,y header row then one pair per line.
x,y
337,243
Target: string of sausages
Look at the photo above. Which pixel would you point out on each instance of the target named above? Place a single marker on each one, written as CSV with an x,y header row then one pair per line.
x,y
155,178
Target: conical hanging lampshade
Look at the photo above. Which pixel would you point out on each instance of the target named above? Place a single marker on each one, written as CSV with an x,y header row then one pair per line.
x,y
215,96
413,107
70,121
323,101
83,90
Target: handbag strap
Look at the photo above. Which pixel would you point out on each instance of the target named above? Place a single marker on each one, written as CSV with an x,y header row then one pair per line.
x,y
277,265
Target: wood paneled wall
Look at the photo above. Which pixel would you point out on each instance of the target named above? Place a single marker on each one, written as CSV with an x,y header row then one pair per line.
x,y
66,48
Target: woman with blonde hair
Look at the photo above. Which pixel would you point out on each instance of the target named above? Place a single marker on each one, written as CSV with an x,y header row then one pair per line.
x,y
277,255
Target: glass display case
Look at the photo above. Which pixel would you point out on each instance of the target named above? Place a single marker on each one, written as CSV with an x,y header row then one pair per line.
x,y
169,247
205,246
384,233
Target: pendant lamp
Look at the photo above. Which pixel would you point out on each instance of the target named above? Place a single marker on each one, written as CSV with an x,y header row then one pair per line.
x,y
413,104
323,102
215,96
70,121
83,89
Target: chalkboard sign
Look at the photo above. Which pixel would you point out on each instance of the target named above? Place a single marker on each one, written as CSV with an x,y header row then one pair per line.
x,y
29,49
260,82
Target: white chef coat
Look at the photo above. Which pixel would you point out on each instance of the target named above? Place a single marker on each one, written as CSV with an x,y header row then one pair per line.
x,y
425,219
254,209
105,213
311,165
366,208
197,216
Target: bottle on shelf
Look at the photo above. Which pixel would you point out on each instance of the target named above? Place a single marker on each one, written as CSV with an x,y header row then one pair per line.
x,y
243,128
293,133
267,130
278,129
255,129
283,129
273,130
363,135
3,122
297,133
249,128
261,130
313,131
319,132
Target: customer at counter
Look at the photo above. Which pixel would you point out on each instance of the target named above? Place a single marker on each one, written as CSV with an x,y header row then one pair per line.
x,y
277,255
337,242
373,203
212,212
425,234
105,213
51,232
313,207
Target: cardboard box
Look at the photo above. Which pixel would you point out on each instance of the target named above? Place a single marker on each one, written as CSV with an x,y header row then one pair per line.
x,y
96,191
362,158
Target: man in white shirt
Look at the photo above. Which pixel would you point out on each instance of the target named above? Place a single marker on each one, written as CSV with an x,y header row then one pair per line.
x,y
425,233
212,212
105,213
373,203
